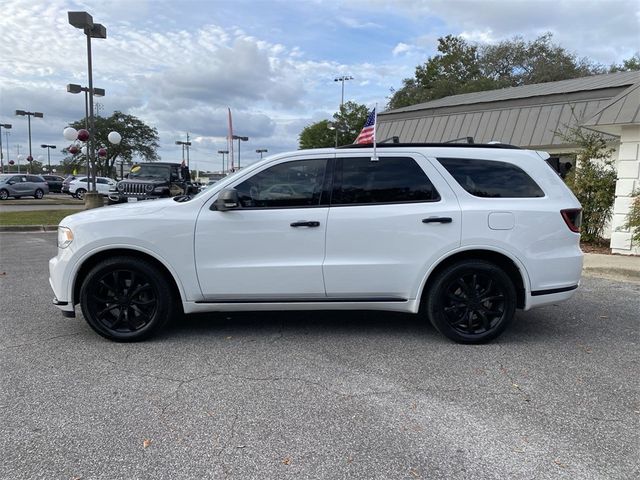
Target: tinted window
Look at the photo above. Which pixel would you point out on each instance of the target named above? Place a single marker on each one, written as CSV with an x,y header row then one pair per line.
x,y
291,184
487,178
388,180
102,180
34,178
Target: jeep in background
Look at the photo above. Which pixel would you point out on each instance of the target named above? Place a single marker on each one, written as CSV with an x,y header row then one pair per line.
x,y
153,180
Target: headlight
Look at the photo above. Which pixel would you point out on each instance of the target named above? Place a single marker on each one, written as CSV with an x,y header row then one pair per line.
x,y
65,237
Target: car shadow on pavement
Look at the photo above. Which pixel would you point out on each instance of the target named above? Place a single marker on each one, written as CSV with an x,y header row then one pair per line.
x,y
300,322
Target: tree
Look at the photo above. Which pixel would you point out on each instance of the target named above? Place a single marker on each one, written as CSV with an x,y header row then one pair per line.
x,y
138,139
348,122
461,67
631,64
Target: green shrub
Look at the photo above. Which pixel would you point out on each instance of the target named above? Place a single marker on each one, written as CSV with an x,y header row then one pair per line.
x,y
633,218
593,181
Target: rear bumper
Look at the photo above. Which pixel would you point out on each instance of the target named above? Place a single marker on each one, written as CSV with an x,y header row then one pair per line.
x,y
541,298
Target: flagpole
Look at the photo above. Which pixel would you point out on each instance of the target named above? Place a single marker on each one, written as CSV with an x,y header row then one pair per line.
x,y
375,127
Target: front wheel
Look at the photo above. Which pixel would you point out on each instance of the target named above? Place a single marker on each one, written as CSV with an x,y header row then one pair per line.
x,y
80,193
472,301
126,299
38,194
4,194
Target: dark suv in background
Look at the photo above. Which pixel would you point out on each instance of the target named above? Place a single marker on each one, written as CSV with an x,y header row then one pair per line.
x,y
153,180
54,182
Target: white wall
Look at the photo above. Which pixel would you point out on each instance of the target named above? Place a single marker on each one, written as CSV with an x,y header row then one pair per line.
x,y
628,180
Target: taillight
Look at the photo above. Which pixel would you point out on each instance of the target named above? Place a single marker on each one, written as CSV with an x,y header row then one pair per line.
x,y
573,218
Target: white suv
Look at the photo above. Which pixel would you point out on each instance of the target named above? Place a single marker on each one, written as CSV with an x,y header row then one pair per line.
x,y
461,235
78,186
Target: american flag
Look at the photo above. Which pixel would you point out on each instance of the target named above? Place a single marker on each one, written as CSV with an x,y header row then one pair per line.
x,y
368,132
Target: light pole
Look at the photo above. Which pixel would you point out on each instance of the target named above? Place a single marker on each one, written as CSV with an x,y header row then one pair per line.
x,y
223,153
239,138
84,21
23,113
261,151
97,92
6,126
341,79
48,147
186,145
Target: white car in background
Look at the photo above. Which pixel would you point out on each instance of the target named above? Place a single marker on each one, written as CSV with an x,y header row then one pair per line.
x,y
78,186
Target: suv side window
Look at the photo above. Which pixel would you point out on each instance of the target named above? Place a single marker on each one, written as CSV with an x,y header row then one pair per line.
x,y
291,184
491,179
102,180
34,179
388,180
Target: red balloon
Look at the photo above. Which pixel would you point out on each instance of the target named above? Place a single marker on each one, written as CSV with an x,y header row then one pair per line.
x,y
73,149
11,162
83,135
102,152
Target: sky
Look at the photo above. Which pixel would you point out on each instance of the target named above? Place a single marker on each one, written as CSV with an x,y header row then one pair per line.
x,y
178,65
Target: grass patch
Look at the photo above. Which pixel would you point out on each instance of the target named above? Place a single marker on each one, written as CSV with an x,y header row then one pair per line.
x,y
34,217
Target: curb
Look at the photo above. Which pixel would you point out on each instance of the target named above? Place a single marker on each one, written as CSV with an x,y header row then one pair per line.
x,y
28,228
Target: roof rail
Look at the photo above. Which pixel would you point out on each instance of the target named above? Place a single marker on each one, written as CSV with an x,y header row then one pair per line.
x,y
505,146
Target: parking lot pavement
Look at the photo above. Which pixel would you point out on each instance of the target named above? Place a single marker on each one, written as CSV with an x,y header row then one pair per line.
x,y
315,395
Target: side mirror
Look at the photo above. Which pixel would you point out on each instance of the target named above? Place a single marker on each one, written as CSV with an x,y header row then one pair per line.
x,y
11,182
227,200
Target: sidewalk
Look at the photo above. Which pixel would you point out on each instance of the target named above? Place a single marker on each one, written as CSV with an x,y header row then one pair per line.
x,y
614,267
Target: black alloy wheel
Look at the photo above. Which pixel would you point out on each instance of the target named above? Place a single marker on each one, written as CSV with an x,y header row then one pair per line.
x,y
126,299
4,194
471,302
38,194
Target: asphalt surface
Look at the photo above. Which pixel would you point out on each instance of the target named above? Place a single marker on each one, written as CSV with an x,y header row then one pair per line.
x,y
315,395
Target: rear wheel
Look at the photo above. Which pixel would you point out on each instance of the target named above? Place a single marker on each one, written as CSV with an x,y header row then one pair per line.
x,y
38,194
4,194
126,299
472,301
80,193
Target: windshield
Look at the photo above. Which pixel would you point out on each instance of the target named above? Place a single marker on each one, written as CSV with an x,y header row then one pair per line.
x,y
209,187
5,177
149,171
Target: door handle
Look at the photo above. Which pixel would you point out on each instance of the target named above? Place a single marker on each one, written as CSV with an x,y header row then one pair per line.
x,y
305,223
437,220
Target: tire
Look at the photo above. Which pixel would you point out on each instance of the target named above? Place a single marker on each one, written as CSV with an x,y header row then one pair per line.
x,y
471,302
126,299
80,193
4,194
38,194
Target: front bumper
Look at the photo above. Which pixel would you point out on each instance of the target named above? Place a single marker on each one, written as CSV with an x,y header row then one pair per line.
x,y
59,282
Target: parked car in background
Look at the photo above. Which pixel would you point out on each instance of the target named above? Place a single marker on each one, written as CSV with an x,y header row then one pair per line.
x,y
22,185
54,182
460,235
78,187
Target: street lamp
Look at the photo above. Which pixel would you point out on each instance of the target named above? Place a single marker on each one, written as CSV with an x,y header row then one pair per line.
x,y
97,92
84,21
186,144
341,79
48,147
239,138
223,153
23,113
6,126
261,151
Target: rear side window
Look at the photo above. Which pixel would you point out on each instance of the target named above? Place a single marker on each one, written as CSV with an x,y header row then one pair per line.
x,y
491,179
388,180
